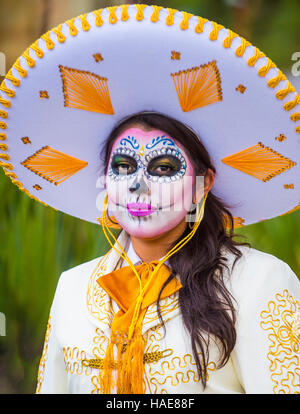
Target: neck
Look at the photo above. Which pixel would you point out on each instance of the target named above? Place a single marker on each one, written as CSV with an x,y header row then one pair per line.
x,y
155,248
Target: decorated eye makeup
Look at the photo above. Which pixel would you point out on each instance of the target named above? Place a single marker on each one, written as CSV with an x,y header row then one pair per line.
x,y
123,164
163,165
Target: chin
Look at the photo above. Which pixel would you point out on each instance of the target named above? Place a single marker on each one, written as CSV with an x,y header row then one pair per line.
x,y
148,228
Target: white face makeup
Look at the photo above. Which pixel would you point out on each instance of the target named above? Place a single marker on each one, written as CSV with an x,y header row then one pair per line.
x,y
149,182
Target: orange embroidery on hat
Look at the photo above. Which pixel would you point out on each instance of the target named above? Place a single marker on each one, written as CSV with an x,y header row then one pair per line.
x,y
85,90
72,28
37,187
44,94
84,23
288,106
281,138
227,42
26,140
155,14
52,165
6,165
215,31
200,24
98,57
185,20
175,55
295,117
112,14
3,125
198,86
241,88
110,223
140,11
3,147
237,222
59,35
259,161
289,186
15,81
292,210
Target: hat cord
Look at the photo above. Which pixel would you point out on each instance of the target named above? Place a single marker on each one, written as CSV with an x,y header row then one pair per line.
x,y
177,247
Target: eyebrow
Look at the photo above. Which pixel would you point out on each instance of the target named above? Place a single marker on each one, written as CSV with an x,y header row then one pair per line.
x,y
157,140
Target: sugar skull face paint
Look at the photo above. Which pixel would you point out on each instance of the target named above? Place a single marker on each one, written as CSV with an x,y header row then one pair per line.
x,y
149,182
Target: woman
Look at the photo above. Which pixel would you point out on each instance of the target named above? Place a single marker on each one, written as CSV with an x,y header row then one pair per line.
x,y
215,336
176,305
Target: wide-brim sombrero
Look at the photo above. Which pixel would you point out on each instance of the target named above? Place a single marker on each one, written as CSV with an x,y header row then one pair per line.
x,y
64,95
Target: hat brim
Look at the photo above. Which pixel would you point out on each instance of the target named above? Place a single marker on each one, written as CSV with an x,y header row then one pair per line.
x,y
65,94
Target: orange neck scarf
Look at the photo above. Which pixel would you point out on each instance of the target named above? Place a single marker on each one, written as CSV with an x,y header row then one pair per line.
x,y
123,287
134,289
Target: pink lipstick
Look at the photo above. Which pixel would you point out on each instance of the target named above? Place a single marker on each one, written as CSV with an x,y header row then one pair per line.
x,y
140,209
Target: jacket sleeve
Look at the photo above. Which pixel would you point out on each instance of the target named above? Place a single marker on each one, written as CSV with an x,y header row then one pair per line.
x,y
267,352
52,375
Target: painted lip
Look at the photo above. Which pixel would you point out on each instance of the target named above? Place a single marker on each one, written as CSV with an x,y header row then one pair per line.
x,y
140,209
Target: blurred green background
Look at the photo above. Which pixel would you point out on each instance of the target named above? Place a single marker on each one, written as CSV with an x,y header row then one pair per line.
x,y
38,243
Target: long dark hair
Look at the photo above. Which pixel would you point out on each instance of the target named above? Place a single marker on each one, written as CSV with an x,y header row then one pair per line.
x,y
206,304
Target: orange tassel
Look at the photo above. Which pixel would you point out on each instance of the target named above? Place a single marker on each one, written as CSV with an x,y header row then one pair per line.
x,y
137,366
105,375
132,369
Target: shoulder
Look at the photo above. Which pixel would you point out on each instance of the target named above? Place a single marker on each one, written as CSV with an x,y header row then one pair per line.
x,y
72,283
79,271
258,274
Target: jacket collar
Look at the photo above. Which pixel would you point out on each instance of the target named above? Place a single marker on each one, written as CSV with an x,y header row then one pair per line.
x,y
101,308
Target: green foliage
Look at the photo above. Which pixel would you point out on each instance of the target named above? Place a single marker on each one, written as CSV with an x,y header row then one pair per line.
x,y
38,243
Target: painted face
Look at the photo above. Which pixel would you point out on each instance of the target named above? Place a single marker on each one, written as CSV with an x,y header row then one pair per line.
x,y
149,182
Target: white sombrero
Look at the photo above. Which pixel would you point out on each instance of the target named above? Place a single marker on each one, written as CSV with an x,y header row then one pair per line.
x,y
64,95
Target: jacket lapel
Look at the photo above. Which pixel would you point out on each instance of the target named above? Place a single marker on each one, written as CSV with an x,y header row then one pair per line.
x,y
169,308
99,305
100,308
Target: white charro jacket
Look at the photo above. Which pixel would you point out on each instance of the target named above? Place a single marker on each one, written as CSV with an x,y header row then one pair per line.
x,y
266,358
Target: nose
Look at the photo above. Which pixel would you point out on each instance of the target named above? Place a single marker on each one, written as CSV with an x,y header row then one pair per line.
x,y
139,186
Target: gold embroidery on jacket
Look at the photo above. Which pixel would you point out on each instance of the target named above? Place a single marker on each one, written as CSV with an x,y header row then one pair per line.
x,y
167,305
184,371
43,358
78,362
97,299
173,370
282,322
74,359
